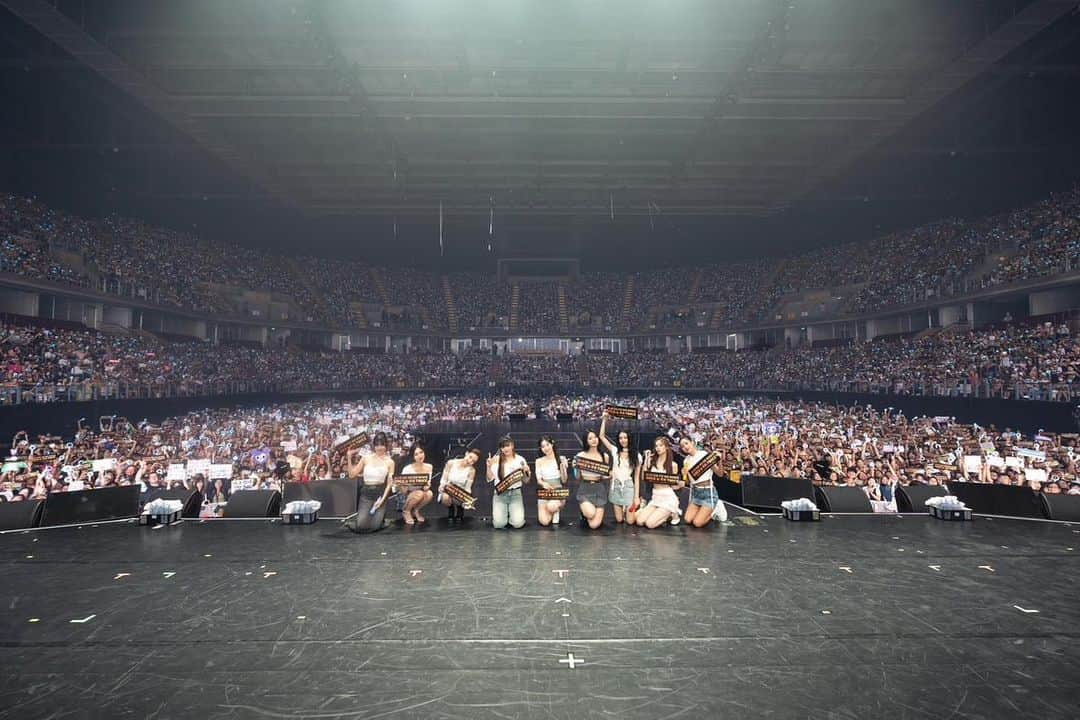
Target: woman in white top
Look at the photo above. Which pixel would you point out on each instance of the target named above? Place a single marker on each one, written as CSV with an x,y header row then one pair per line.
x,y
551,472
376,470
507,507
460,472
625,494
664,504
417,497
704,500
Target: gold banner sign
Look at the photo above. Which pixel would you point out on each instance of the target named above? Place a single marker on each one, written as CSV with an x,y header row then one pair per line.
x,y
460,494
622,412
356,441
659,478
703,465
560,493
413,480
512,479
596,467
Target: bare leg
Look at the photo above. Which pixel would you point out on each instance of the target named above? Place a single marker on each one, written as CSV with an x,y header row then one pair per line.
x,y
543,514
691,512
425,497
657,518
644,514
597,519
618,510
588,510
406,511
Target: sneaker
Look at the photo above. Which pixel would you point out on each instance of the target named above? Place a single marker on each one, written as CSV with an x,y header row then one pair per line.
x,y
676,520
555,519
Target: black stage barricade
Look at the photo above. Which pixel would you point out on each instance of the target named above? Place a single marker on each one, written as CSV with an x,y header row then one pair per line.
x,y
990,499
112,503
842,499
1061,507
912,498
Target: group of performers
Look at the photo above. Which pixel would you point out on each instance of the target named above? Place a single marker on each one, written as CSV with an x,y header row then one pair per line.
x,y
610,472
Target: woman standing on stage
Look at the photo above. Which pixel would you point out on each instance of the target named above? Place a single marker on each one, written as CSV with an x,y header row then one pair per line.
x,y
417,497
507,507
377,470
664,504
551,472
625,474
592,492
462,473
703,498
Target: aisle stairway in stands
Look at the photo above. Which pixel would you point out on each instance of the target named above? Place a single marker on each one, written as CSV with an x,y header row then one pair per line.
x,y
628,302
515,306
451,308
564,316
583,369
380,287
356,312
695,286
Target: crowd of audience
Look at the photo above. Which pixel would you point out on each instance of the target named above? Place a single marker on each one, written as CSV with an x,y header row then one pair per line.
x,y
217,451
164,266
1036,360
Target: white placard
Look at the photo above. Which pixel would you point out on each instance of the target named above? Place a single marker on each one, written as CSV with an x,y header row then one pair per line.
x,y
176,471
221,471
1013,462
972,463
995,461
1035,474
100,466
198,467
241,484
1033,454
288,445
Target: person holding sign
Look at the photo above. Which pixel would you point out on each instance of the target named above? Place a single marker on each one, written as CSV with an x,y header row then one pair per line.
x,y
664,504
460,473
416,497
508,471
625,491
593,467
376,470
551,474
704,501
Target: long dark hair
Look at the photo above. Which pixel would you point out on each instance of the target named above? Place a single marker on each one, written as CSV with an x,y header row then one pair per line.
x,y
551,441
631,451
669,454
504,441
599,445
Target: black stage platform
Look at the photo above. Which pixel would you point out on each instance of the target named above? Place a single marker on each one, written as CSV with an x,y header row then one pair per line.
x,y
852,617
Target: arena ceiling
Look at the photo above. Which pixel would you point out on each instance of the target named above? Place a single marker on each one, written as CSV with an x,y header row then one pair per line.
x,y
561,109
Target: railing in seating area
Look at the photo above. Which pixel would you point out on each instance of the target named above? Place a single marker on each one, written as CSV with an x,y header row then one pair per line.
x,y
15,393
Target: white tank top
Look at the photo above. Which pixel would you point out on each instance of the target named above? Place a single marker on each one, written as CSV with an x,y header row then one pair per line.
x,y
374,474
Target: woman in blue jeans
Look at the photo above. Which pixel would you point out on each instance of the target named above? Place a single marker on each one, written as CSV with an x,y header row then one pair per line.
x,y
507,507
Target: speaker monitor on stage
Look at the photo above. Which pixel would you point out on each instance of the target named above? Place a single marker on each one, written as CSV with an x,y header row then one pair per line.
x,y
912,498
21,515
840,499
253,504
1061,507
192,500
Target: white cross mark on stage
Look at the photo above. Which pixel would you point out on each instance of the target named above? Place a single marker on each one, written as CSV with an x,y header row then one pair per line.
x,y
562,599
170,574
88,618
986,567
561,573
936,568
268,573
1023,610
121,575
704,570
846,569
414,573
572,661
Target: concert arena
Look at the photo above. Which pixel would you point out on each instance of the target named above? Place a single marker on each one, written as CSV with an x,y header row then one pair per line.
x,y
564,359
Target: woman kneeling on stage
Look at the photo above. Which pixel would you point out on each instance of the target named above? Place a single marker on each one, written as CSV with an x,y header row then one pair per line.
x,y
376,469
507,505
550,474
625,474
461,473
419,497
664,504
592,492
704,501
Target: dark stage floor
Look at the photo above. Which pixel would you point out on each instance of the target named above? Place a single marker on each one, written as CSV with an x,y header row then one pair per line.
x,y
852,617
